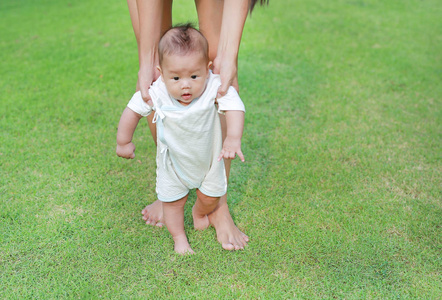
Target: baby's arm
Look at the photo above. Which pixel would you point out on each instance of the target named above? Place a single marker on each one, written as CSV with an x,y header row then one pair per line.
x,y
126,128
232,143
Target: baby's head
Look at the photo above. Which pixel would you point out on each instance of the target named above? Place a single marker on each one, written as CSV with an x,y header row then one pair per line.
x,y
184,62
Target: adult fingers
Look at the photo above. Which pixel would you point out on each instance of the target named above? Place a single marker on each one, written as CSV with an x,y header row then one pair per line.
x,y
145,95
222,90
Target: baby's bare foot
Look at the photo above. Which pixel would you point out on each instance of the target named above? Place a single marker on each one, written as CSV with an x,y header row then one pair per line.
x,y
182,245
230,237
200,223
153,214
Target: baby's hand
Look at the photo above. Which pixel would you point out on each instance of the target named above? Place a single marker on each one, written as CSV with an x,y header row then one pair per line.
x,y
126,151
231,148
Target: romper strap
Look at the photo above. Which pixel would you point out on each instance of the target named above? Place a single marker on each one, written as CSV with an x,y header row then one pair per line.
x,y
158,115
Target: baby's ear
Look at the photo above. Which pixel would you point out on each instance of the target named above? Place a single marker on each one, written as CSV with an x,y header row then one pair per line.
x,y
161,72
209,65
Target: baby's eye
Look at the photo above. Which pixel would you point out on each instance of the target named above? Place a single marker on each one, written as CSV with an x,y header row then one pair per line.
x,y
176,78
193,76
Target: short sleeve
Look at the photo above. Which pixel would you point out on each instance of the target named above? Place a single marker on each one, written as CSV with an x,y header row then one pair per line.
x,y
138,105
231,101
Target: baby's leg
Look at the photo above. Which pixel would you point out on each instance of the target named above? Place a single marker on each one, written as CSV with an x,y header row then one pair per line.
x,y
174,218
204,205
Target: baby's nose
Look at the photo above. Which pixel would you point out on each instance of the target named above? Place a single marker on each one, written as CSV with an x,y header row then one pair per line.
x,y
185,84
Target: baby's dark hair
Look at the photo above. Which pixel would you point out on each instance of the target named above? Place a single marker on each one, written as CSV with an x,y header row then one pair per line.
x,y
253,3
183,39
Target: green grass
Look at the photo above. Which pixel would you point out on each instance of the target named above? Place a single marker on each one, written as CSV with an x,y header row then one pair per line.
x,y
340,194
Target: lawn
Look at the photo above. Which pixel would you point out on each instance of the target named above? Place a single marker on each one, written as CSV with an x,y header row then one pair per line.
x,y
340,192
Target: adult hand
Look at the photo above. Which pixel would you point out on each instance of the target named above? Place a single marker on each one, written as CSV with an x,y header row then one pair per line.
x,y
145,79
228,71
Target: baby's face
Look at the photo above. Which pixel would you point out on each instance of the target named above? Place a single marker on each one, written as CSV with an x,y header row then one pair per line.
x,y
185,76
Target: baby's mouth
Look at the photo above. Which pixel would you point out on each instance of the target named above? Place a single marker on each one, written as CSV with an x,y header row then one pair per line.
x,y
186,96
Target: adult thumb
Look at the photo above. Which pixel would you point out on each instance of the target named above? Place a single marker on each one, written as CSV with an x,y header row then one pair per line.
x,y
222,91
146,96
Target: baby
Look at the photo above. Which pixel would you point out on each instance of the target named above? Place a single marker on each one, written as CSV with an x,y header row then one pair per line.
x,y
189,139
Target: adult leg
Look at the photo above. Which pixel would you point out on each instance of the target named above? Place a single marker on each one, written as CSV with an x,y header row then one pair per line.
x,y
153,213
210,18
230,237
174,218
166,22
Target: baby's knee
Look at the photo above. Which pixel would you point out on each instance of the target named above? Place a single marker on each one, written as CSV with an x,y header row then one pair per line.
x,y
177,203
206,199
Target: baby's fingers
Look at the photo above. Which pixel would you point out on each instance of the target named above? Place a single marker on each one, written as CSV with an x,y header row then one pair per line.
x,y
231,155
221,155
226,155
240,155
